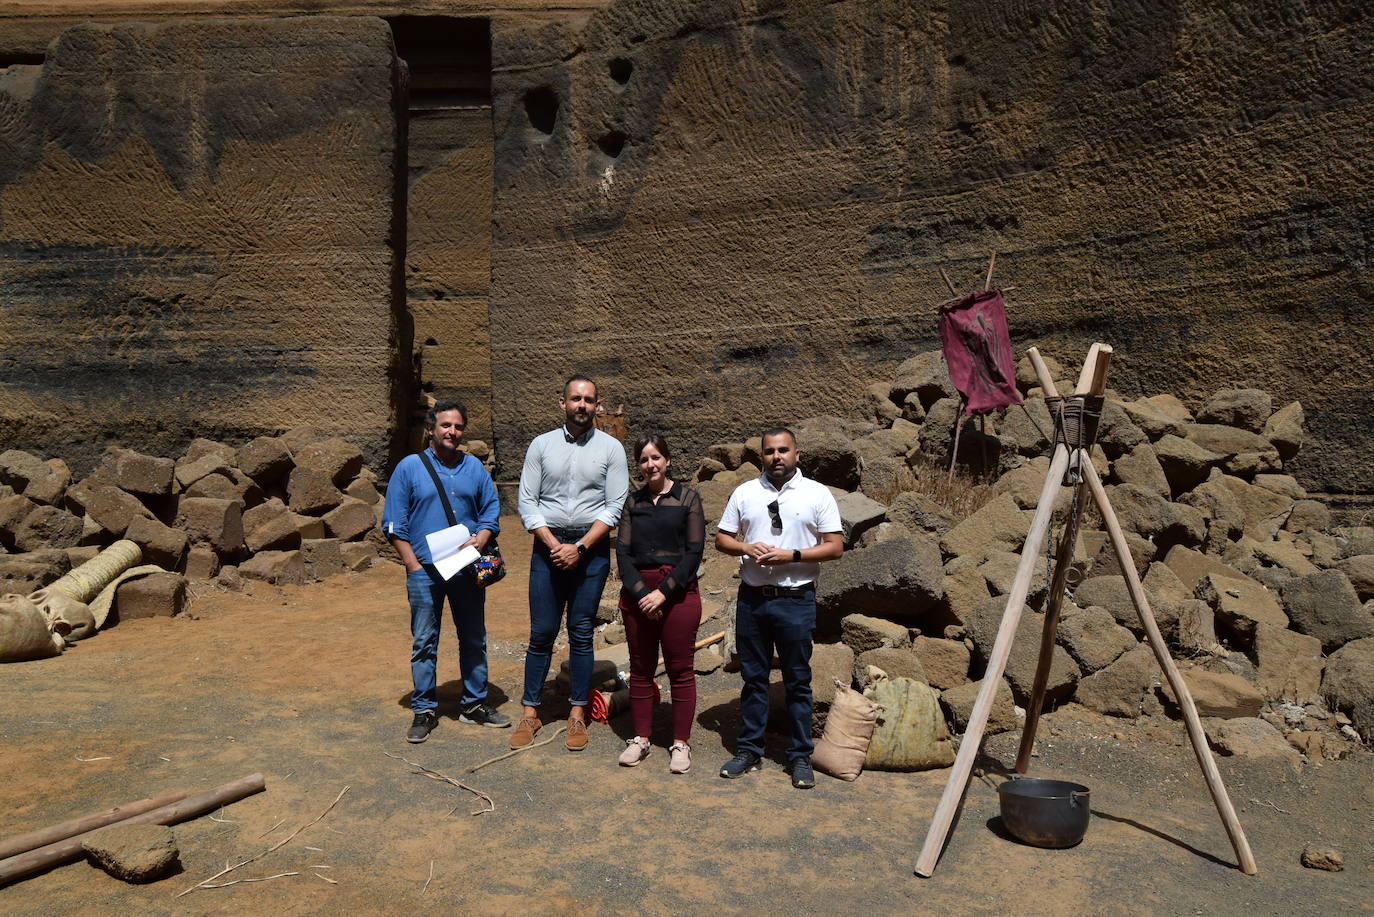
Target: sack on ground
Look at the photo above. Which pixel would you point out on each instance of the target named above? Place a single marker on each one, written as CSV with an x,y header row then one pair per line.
x,y
910,734
848,728
25,632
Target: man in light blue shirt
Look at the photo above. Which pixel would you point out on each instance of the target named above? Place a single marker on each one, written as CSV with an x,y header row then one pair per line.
x,y
413,510
572,489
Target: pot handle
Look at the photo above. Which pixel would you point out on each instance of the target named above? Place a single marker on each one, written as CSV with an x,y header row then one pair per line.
x,y
1074,796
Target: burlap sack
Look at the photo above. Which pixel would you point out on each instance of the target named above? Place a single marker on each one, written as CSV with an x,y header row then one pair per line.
x,y
848,728
62,609
25,632
911,734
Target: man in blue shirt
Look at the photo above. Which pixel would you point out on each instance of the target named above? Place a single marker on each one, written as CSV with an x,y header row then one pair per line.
x,y
413,510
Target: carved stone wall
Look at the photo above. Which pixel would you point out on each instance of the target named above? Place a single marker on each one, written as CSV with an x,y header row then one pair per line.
x,y
731,214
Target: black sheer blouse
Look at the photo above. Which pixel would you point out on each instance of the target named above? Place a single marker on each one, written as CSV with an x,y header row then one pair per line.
x,y
668,532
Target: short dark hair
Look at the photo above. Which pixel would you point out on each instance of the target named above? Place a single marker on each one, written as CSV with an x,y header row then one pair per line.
x,y
581,378
777,431
652,439
443,407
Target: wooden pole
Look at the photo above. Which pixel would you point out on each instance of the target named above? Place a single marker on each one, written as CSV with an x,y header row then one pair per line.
x,y
1042,372
987,282
997,663
65,851
1172,675
945,277
1001,647
41,837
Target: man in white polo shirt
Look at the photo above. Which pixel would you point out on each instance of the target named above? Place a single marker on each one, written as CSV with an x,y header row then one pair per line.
x,y
782,525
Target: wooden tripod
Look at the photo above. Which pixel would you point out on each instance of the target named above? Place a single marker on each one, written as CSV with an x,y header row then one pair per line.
x,y
1091,382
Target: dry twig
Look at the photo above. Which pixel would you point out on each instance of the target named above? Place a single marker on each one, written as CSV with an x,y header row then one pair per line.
x,y
435,775
89,760
511,754
258,879
430,879
257,856
273,828
326,878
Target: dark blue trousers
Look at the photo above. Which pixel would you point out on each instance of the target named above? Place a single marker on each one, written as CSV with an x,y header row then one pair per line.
x,y
762,626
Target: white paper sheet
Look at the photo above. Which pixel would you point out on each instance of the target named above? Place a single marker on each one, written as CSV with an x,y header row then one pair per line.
x,y
445,548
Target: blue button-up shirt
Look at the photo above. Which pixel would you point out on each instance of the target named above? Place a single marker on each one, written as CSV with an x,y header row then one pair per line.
x,y
572,481
413,509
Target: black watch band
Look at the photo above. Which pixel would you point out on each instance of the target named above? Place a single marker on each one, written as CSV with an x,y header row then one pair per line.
x,y
581,548
796,556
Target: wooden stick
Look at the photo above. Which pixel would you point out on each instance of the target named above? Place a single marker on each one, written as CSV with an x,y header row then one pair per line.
x,y
1042,372
1172,675
714,638
279,844
515,751
945,278
997,663
41,837
987,282
64,851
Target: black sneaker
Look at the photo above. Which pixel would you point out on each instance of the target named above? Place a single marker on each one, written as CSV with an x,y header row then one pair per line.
x,y
422,726
483,714
746,762
802,777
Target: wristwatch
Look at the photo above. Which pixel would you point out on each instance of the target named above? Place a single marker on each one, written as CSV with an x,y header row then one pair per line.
x,y
796,556
581,548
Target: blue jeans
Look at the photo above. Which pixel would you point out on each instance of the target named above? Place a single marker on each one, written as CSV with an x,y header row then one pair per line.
x,y
762,625
467,602
554,592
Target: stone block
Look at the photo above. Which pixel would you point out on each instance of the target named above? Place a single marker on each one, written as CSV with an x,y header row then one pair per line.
x,y
1000,572
189,472
895,662
363,489
1249,737
1117,434
78,555
1120,688
958,703
1308,516
919,513
312,491
276,567
1348,684
265,459
1246,408
730,455
161,544
107,506
945,662
925,375
202,563
1186,464
298,438
158,595
829,458
309,526
1196,628
135,473
1141,467
322,558
830,662
271,526
1031,438
200,447
350,520
999,525
24,573
1241,452
46,527
357,555
1218,694
900,578
50,488
133,853
337,459
1240,606
1360,571
18,468
1191,566
1324,605
862,633
878,405
1092,637
235,486
858,514
1288,665
1284,429
1154,420
218,523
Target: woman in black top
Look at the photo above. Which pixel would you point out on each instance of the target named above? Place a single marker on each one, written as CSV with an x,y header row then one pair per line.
x,y
661,538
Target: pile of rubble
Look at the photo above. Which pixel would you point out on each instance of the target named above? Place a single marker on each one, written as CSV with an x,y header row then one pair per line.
x,y
1267,606
283,509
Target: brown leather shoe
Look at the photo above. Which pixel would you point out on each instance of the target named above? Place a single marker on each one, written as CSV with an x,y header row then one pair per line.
x,y
524,731
577,735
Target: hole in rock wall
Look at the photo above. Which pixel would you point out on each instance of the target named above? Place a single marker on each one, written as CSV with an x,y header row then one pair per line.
x,y
611,143
621,69
541,105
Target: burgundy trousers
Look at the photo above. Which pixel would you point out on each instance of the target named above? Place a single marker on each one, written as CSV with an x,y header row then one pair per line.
x,y
676,634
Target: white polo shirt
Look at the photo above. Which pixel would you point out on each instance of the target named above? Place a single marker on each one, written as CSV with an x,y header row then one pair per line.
x,y
807,509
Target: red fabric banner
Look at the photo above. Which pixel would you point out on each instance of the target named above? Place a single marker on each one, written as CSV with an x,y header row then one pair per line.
x,y
977,349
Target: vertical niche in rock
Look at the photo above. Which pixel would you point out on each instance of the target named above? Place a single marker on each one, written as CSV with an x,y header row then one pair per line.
x,y
620,69
611,143
541,106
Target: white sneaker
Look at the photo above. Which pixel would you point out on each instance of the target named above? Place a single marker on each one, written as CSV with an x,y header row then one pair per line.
x,y
636,750
680,758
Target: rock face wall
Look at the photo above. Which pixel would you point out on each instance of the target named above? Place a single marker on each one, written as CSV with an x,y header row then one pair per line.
x,y
732,214
198,235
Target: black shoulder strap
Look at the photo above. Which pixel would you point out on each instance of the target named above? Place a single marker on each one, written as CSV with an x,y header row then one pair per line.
x,y
443,494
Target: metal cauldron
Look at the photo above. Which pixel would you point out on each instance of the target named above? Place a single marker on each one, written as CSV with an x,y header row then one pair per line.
x,y
1044,813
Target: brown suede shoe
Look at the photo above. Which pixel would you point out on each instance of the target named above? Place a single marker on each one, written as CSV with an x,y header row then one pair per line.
x,y
524,731
577,735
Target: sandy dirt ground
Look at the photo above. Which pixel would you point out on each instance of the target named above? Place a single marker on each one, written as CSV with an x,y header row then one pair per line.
x,y
310,686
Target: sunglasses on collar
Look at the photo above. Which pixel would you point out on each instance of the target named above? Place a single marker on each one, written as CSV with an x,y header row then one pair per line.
x,y
775,515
